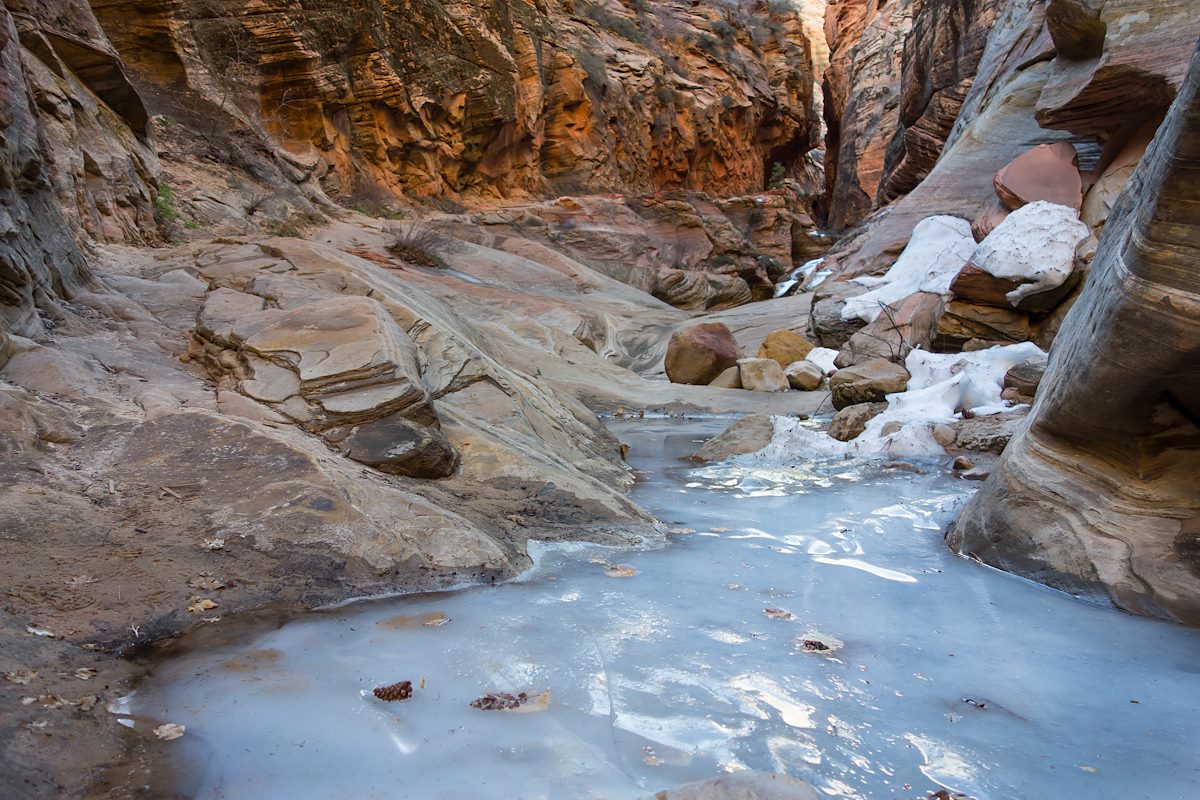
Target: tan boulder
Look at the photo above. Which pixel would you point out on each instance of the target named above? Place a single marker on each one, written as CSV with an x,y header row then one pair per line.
x,y
1047,172
869,382
851,421
804,375
747,435
762,375
728,379
785,347
698,354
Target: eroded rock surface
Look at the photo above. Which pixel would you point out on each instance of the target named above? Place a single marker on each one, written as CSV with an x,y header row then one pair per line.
x,y
1098,494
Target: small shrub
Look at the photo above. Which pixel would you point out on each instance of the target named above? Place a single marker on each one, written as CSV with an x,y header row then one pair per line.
x,y
594,66
165,211
709,45
726,102
421,244
726,31
778,173
664,93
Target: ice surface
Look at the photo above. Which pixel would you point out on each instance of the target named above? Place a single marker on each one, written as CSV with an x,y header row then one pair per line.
x,y
949,673
935,253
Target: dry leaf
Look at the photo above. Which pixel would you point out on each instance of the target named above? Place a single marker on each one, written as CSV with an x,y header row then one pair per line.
x,y
86,673
169,731
200,604
522,703
80,580
88,702
21,678
681,531
777,613
620,571
40,632
720,530
206,582
214,544
436,622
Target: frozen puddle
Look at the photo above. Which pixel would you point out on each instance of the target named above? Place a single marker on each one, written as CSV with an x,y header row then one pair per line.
x,y
939,672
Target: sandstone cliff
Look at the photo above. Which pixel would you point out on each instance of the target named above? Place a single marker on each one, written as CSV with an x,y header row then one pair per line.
x,y
491,98
1098,495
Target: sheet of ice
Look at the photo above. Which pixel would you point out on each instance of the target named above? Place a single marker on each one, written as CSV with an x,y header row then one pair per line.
x,y
935,253
959,676
1034,245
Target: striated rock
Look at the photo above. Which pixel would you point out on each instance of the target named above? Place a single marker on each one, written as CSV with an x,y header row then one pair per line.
x,y
488,98
868,382
700,353
728,379
851,421
861,100
1099,200
785,347
986,221
1026,262
937,70
1145,53
762,375
825,314
804,376
961,322
1097,496
747,435
1048,172
988,434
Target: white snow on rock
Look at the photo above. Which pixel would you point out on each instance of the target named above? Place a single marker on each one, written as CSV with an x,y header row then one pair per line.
x,y
935,253
1035,245
823,357
800,273
942,386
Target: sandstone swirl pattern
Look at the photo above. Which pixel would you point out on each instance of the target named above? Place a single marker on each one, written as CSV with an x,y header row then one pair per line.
x,y
1101,493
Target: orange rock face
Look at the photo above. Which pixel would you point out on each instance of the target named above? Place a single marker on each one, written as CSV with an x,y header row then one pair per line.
x,y
488,98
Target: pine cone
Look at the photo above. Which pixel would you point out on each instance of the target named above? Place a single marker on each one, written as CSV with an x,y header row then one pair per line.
x,y
397,691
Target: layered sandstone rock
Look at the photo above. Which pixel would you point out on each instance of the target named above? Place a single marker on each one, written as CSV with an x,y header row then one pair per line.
x,y
1098,494
488,98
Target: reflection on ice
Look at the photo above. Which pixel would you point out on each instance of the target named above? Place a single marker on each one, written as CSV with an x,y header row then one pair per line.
x,y
880,684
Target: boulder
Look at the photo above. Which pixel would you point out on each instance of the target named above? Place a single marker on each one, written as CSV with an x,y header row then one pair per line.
x,y
908,323
784,347
399,447
1027,262
728,379
851,421
747,435
986,221
698,354
988,434
742,786
962,322
1026,377
1048,172
1076,28
762,375
869,382
804,375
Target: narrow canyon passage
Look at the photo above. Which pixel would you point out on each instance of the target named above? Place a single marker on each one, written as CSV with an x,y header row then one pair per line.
x,y
705,653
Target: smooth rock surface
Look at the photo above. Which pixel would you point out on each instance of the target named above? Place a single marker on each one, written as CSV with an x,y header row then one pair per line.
x,y
784,347
851,421
804,375
700,353
762,375
747,435
868,382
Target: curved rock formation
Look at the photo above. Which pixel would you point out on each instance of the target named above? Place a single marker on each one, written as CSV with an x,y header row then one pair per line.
x,y
1099,494
488,97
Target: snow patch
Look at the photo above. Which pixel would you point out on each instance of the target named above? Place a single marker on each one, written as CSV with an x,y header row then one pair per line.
x,y
935,253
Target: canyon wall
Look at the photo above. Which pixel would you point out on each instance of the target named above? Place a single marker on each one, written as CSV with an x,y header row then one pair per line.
x,y
489,98
1098,495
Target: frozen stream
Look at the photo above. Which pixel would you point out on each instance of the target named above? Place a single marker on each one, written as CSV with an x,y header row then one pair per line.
x,y
950,674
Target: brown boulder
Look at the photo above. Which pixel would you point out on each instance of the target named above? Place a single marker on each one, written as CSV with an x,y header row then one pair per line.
x,y
986,221
700,353
804,376
962,322
728,379
399,447
869,382
1026,377
785,347
1075,28
1047,172
910,323
851,421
